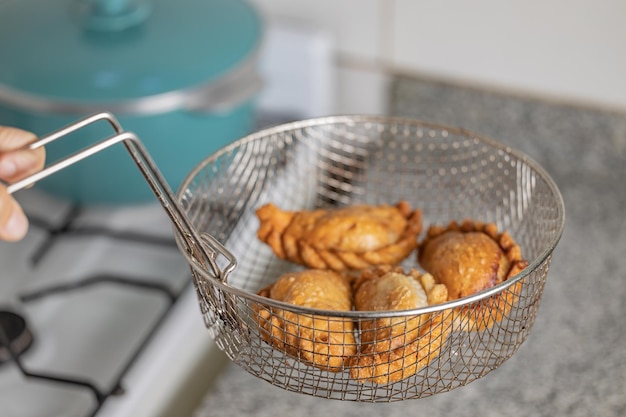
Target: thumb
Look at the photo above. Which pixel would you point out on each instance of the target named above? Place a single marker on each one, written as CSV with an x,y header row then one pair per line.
x,y
12,138
13,222
14,163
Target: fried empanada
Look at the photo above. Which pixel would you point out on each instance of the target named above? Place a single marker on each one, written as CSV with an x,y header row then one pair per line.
x,y
394,348
472,257
354,237
322,341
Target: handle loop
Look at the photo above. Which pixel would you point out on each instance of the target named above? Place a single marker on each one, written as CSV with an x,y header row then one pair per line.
x,y
201,249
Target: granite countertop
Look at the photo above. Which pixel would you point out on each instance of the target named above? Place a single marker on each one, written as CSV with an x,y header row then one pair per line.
x,y
574,361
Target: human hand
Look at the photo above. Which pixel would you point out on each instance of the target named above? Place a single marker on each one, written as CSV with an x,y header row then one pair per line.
x,y
15,164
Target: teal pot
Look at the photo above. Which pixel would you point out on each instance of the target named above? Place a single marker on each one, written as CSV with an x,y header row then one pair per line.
x,y
182,75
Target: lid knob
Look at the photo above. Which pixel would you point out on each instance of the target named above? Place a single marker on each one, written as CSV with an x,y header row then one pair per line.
x,y
112,15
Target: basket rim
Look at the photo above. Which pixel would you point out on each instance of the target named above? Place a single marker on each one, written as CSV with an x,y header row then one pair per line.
x,y
206,272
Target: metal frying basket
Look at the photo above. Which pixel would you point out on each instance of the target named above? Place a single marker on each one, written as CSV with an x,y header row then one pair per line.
x,y
450,174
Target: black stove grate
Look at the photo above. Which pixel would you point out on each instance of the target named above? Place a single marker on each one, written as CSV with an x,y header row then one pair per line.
x,y
12,346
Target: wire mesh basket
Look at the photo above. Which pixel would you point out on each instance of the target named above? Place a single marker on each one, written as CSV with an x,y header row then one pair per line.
x,y
449,174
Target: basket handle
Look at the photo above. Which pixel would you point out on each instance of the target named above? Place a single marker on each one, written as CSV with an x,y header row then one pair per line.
x,y
202,248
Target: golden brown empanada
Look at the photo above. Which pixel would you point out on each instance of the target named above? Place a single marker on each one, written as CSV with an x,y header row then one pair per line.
x,y
471,257
321,341
394,348
354,237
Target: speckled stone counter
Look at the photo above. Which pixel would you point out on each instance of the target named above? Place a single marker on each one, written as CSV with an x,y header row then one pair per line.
x,y
574,362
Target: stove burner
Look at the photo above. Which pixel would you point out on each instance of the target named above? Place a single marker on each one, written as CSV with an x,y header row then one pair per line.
x,y
15,338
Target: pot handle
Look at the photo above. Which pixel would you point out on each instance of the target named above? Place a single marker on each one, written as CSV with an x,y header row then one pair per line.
x,y
202,249
226,94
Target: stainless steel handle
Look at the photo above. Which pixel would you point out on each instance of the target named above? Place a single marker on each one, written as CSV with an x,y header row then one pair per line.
x,y
202,248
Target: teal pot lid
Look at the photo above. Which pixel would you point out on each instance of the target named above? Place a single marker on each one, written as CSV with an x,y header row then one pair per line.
x,y
106,51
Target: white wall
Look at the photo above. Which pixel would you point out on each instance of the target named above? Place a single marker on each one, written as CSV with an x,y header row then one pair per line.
x,y
569,50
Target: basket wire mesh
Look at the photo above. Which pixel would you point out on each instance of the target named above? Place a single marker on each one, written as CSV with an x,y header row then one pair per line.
x,y
449,174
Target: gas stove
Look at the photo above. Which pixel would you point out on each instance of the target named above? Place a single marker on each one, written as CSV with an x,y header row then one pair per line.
x,y
84,295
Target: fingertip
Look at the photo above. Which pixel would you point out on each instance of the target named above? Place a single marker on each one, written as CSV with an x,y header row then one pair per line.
x,y
8,168
15,227
16,165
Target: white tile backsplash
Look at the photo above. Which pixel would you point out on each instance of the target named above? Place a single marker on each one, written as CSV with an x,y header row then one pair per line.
x,y
354,24
570,50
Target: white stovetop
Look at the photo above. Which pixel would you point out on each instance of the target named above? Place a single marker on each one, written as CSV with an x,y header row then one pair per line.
x,y
91,333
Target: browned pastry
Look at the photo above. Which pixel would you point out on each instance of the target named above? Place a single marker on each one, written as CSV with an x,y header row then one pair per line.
x,y
394,348
321,341
354,237
471,257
